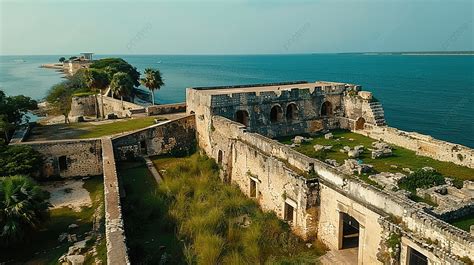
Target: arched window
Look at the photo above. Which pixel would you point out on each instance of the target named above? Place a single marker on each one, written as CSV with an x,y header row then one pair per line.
x,y
276,114
291,112
326,109
360,123
242,116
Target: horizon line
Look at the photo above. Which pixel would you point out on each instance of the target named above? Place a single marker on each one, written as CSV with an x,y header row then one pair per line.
x,y
253,54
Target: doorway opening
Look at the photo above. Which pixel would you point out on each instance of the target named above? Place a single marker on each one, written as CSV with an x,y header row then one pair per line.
x,y
350,231
416,258
289,213
242,116
253,188
360,123
326,109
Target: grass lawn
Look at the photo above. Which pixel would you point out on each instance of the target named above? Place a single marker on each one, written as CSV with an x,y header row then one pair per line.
x,y
43,246
146,228
463,223
210,219
402,158
118,126
85,130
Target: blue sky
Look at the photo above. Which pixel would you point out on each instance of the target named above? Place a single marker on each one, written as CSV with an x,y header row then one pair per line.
x,y
233,27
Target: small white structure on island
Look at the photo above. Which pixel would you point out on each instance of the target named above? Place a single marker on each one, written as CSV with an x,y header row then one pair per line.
x,y
87,55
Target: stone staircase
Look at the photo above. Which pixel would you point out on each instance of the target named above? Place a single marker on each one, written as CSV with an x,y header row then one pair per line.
x,y
377,111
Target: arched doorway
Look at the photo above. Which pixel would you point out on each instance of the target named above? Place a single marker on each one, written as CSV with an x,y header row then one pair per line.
x,y
360,123
291,112
242,116
276,114
326,109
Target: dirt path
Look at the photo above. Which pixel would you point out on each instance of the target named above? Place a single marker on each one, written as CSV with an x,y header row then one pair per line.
x,y
68,193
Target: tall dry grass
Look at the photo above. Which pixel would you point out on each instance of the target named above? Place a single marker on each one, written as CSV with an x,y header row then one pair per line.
x,y
210,215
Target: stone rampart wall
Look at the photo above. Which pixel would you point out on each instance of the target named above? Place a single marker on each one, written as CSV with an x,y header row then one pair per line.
x,y
83,106
114,226
424,145
70,158
112,105
166,108
175,136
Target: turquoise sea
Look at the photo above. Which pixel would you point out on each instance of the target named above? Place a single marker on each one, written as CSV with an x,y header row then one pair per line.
x,y
429,94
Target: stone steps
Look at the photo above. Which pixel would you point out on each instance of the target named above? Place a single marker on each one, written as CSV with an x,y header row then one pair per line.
x,y
378,113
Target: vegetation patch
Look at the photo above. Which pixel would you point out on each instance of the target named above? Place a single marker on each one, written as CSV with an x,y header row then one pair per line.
x,y
219,224
42,246
195,218
421,178
401,157
463,223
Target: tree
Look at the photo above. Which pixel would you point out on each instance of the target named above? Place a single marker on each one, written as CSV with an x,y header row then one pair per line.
x,y
97,80
19,160
14,108
5,127
115,65
59,99
62,59
152,81
13,111
23,208
121,85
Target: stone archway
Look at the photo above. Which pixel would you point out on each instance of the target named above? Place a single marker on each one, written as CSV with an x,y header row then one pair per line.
x,y
326,109
360,122
291,112
242,116
276,114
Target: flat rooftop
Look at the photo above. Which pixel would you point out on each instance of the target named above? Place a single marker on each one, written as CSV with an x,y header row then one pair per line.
x,y
218,90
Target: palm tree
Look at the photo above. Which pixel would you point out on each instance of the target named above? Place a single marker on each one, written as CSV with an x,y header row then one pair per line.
x,y
152,81
23,208
97,80
121,85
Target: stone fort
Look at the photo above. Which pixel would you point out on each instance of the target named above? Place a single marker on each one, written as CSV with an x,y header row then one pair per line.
x,y
236,125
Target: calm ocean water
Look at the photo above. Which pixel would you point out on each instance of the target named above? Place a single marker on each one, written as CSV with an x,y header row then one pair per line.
x,y
429,94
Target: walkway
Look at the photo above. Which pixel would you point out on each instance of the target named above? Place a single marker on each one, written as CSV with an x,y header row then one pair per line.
x,y
152,169
340,257
114,231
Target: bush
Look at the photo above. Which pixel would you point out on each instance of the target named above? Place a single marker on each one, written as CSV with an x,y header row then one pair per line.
x,y
19,160
421,179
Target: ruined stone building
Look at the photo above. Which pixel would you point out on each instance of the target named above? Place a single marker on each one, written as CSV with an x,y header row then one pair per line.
x,y
237,126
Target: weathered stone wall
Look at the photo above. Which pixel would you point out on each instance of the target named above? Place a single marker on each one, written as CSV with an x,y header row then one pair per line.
x,y
114,227
174,136
112,105
423,145
70,158
82,106
259,107
166,108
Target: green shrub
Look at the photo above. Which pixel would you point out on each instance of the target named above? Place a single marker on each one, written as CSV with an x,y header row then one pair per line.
x,y
421,179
